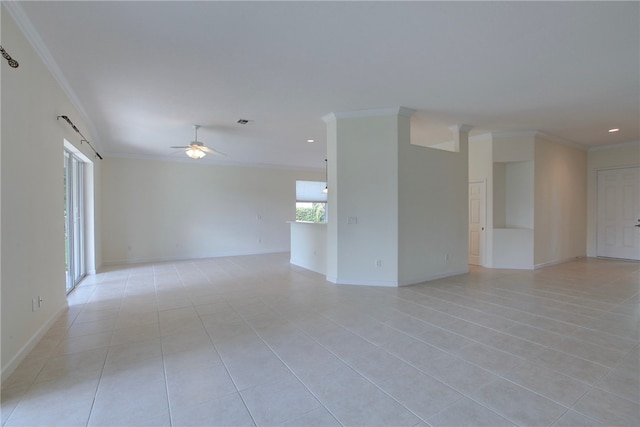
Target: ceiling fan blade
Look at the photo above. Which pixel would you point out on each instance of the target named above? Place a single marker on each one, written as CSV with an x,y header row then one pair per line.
x,y
212,151
196,147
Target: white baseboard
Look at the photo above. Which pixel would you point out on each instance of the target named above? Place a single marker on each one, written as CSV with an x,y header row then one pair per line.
x,y
431,277
556,262
133,261
31,343
396,283
384,283
308,266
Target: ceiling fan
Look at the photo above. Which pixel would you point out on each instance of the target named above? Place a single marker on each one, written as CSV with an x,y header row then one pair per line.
x,y
197,150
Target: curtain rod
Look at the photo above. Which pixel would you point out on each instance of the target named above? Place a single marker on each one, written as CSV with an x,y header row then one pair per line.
x,y
83,138
12,62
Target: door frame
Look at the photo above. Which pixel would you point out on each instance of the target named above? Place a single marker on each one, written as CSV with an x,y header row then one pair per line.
x,y
74,220
88,202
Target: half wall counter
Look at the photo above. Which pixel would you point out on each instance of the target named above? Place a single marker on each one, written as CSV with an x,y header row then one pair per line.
x,y
309,245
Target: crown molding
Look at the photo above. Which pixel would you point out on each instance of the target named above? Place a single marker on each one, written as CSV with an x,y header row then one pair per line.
x,y
460,128
486,136
514,133
538,134
613,146
560,140
376,112
25,25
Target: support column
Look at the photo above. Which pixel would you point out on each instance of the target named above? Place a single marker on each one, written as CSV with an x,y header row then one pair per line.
x,y
433,210
362,233
460,137
397,212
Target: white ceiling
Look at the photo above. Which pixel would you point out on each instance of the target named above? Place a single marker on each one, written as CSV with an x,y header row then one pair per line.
x,y
143,72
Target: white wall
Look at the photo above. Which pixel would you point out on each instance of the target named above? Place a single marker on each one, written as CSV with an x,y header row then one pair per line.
x,y
432,210
513,200
560,218
155,210
505,161
537,184
32,195
480,157
363,185
513,248
512,233
620,155
513,146
3,373
397,211
499,195
513,195
309,245
519,195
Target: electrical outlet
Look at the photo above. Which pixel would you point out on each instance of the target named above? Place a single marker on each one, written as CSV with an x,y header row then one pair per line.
x,y
378,263
446,257
40,301
352,220
34,304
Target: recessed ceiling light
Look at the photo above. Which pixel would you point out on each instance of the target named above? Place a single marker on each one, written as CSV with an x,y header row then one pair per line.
x,y
311,140
613,130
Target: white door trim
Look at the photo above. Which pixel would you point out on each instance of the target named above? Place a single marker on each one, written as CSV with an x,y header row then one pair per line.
x,y
483,239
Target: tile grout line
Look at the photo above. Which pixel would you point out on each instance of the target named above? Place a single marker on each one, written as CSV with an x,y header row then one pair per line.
x,y
505,332
235,384
270,298
285,364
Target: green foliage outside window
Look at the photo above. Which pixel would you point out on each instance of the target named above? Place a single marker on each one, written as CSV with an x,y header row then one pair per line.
x,y
315,213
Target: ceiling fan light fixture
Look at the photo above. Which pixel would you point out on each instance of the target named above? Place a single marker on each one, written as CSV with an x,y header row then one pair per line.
x,y
196,149
195,153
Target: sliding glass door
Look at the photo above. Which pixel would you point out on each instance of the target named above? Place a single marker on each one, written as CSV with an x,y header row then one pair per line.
x,y
74,219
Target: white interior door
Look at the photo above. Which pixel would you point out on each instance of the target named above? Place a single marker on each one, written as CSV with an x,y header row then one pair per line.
x,y
618,213
477,195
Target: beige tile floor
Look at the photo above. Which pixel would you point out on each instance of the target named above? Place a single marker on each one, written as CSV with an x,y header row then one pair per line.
x,y
254,341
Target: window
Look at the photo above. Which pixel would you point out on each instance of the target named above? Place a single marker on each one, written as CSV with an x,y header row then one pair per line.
x,y
311,212
311,201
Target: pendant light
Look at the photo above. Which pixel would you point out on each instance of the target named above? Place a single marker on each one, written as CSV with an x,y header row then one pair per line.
x,y
326,180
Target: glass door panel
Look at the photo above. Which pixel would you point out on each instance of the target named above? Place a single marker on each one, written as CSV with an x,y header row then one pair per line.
x,y
74,220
